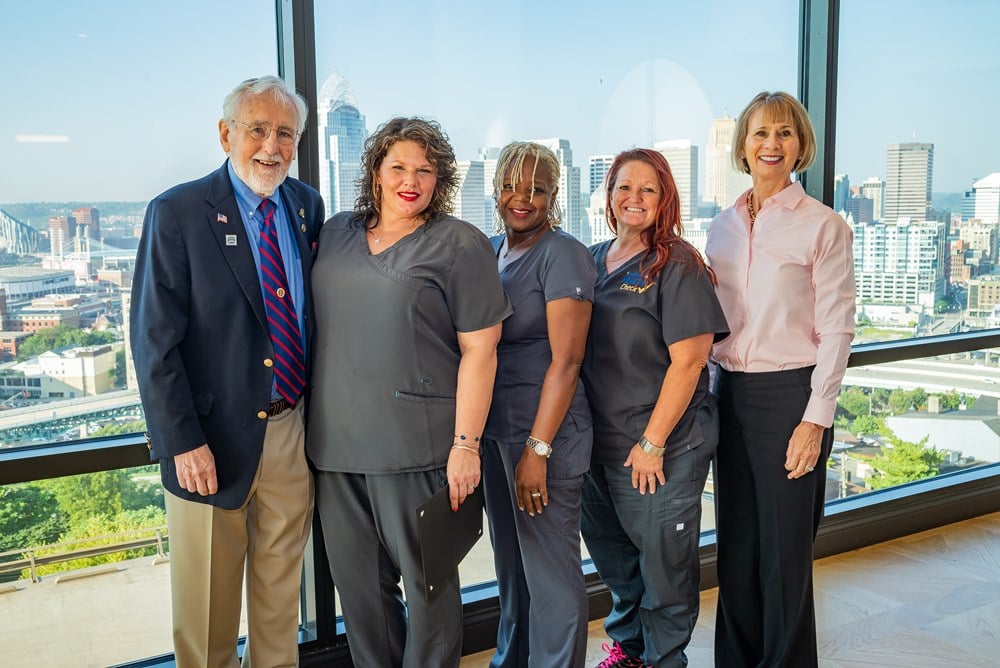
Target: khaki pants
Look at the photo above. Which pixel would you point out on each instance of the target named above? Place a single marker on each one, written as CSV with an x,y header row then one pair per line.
x,y
210,547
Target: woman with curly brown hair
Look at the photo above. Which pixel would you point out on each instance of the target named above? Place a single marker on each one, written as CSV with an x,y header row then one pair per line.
x,y
655,428
408,311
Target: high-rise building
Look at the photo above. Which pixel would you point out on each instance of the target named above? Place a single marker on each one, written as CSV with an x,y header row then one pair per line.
x,y
62,229
901,263
469,197
909,173
597,216
598,166
723,184
983,201
682,156
873,188
841,192
342,135
860,209
569,189
89,219
489,156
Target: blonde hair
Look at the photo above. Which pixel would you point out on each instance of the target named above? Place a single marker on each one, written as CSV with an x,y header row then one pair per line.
x,y
777,106
511,160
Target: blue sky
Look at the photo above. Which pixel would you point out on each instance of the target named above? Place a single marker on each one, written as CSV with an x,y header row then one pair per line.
x,y
136,87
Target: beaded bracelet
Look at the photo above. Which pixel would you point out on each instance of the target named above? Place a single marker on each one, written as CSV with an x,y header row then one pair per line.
x,y
463,437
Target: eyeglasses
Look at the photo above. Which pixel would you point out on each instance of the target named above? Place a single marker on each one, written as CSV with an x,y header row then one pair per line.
x,y
261,132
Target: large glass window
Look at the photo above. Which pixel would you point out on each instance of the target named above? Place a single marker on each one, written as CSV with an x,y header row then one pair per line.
x,y
916,173
589,82
107,104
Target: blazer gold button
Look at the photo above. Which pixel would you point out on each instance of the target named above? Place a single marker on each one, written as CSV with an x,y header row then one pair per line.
x,y
280,292
303,227
262,415
302,214
268,362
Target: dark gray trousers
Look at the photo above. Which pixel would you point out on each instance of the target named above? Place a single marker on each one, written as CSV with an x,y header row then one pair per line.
x,y
543,601
371,540
645,548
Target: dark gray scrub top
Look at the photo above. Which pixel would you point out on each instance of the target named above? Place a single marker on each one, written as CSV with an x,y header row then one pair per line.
x,y
385,360
627,357
555,267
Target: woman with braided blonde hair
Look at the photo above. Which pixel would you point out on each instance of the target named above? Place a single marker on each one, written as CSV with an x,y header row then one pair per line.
x,y
538,434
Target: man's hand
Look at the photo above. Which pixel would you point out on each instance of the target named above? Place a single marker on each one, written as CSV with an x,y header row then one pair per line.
x,y
196,471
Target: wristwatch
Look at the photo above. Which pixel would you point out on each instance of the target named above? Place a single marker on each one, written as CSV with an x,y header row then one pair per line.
x,y
540,448
649,448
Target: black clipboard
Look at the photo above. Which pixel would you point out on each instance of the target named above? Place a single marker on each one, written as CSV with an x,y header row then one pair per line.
x,y
446,536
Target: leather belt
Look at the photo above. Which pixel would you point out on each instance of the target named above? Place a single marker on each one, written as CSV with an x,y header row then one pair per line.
x,y
278,406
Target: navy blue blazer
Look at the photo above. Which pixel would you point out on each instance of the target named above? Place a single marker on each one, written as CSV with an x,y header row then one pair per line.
x,y
199,331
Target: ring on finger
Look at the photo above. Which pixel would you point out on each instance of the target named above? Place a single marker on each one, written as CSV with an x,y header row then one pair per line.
x,y
809,469
536,494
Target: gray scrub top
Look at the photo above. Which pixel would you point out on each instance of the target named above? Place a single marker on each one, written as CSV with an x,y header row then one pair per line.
x,y
627,357
555,267
385,359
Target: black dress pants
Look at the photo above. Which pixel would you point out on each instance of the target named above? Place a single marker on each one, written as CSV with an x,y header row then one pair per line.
x,y
766,523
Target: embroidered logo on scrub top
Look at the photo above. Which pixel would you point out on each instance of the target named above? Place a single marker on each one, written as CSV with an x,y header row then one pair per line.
x,y
633,283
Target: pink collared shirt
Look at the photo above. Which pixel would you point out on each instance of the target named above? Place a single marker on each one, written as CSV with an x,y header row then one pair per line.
x,y
787,289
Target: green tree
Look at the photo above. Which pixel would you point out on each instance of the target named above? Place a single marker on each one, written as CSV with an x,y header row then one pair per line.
x,y
880,400
60,337
950,401
869,424
118,375
904,462
854,401
120,428
99,530
29,516
89,495
918,398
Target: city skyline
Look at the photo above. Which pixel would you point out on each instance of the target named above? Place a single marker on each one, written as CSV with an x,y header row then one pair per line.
x,y
146,111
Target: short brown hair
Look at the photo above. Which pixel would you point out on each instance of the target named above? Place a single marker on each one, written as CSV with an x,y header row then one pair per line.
x,y
439,152
777,106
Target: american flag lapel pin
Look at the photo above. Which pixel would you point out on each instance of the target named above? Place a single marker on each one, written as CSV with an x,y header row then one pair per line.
x,y
221,218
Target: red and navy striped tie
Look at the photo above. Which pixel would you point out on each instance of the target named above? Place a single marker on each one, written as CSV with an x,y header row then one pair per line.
x,y
286,339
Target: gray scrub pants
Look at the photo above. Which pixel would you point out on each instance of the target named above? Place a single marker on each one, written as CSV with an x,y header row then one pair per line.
x,y
645,548
538,567
371,540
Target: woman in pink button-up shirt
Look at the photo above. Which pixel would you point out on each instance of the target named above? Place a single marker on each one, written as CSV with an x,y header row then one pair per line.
x,y
786,283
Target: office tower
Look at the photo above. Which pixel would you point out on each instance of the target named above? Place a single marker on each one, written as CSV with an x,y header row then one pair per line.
x,y
342,134
900,263
909,173
841,192
723,184
860,209
569,189
469,198
489,156
874,189
88,218
682,156
598,166
597,216
62,229
983,201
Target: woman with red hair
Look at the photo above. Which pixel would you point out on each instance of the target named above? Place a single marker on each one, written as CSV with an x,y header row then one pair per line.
x,y
654,320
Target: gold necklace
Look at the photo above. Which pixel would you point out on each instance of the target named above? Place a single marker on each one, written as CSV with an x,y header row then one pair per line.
x,y
750,208
624,254
378,240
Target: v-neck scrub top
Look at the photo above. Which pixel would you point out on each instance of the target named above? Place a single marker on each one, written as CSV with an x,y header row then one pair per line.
x,y
633,323
385,363
555,267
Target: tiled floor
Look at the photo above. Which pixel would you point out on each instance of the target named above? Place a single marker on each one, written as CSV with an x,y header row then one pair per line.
x,y
931,600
